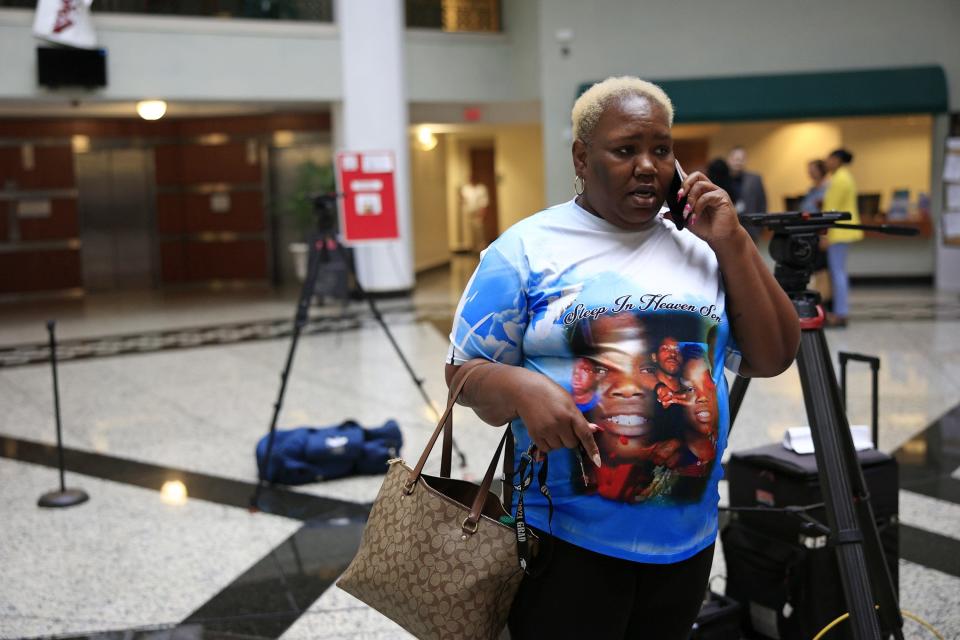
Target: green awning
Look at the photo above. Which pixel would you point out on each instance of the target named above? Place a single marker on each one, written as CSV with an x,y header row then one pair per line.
x,y
807,95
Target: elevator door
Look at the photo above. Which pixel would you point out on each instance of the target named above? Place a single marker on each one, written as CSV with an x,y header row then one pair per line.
x,y
116,199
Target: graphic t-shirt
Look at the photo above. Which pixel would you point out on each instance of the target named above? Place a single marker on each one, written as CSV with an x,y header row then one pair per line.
x,y
632,324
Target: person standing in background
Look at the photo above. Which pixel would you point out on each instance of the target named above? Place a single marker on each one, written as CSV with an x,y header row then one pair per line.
x,y
474,200
746,189
841,195
813,200
719,173
812,203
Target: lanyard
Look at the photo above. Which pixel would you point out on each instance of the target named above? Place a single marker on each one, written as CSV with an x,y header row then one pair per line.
x,y
524,477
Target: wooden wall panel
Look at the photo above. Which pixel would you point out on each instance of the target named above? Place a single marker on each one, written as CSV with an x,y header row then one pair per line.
x,y
170,217
26,271
241,260
186,261
191,164
219,163
245,214
173,266
52,168
167,167
63,223
167,127
192,213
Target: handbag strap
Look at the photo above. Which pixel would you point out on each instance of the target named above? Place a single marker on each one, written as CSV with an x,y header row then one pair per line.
x,y
446,425
446,446
471,522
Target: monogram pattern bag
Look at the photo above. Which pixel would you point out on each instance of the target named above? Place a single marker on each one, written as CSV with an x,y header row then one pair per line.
x,y
435,556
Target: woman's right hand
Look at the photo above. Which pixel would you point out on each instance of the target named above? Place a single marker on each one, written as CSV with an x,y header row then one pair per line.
x,y
550,415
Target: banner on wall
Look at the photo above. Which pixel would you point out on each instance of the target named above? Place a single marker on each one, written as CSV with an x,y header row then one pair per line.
x,y
65,22
369,209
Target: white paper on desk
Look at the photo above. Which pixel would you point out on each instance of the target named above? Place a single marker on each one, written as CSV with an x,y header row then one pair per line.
x,y
953,197
951,224
951,168
800,439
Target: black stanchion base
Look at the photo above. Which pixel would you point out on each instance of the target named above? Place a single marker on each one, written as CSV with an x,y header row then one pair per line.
x,y
66,498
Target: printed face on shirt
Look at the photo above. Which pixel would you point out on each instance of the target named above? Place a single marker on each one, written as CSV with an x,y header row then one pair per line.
x,y
584,381
625,386
625,381
656,440
668,356
627,164
701,410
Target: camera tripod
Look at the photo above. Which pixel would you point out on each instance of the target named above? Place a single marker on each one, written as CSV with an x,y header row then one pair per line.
x,y
322,242
864,574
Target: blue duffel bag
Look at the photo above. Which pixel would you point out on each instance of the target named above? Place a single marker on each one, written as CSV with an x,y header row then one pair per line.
x,y
311,454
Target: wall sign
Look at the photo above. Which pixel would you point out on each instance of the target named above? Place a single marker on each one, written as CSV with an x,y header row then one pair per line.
x,y
368,210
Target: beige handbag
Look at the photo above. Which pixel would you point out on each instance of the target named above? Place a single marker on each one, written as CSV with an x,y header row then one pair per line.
x,y
435,556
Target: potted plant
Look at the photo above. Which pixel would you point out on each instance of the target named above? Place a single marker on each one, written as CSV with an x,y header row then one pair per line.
x,y
312,179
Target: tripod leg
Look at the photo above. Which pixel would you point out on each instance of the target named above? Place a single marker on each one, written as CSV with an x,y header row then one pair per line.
x,y
316,257
849,514
418,381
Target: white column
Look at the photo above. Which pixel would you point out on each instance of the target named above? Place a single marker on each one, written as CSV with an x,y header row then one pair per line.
x,y
374,117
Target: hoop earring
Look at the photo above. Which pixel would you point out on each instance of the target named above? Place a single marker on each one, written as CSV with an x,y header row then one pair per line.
x,y
578,187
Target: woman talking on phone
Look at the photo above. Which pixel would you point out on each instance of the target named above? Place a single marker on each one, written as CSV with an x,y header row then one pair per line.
x,y
585,292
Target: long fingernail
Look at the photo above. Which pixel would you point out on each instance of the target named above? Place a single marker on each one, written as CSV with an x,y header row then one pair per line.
x,y
680,195
596,459
595,427
687,208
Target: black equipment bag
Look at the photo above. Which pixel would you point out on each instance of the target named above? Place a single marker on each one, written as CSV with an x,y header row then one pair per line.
x,y
780,568
719,619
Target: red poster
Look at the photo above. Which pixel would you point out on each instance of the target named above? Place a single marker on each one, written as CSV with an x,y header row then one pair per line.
x,y
369,207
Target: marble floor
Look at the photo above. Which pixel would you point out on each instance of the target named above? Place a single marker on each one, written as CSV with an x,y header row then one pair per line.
x,y
161,414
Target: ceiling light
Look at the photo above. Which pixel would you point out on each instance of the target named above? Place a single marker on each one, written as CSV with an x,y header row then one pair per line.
x,y
151,109
426,138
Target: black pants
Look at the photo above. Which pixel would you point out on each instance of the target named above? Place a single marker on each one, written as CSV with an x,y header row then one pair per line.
x,y
582,594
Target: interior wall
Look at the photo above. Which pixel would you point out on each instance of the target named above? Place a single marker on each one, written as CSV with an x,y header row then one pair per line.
x,y
184,58
440,227
889,153
520,173
187,58
477,67
458,172
431,246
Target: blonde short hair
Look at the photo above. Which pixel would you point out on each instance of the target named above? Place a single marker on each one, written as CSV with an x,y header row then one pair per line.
x,y
590,105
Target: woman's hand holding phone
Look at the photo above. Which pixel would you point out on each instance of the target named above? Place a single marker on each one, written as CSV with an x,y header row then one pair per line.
x,y
702,207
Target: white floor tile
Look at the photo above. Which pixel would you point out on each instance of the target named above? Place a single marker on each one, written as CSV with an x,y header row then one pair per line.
x,y
123,559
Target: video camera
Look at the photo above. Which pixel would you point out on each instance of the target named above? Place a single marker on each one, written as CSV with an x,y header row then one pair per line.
x,y
796,238
325,209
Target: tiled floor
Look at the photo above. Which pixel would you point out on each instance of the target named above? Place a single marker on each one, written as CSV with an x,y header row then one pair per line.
x,y
128,563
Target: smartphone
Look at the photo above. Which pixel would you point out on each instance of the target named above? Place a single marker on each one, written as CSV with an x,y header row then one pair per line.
x,y
676,207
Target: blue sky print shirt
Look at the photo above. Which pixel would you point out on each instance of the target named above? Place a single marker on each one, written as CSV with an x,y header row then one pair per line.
x,y
632,325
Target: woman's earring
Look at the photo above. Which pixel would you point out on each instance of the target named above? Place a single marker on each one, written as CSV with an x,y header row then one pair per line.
x,y
578,185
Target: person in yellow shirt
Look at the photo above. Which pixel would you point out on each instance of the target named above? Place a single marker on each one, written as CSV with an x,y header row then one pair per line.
x,y
841,195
